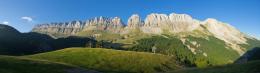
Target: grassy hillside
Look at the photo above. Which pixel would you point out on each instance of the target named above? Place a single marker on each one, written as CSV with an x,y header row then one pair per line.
x,y
217,52
10,64
250,67
108,60
167,46
207,52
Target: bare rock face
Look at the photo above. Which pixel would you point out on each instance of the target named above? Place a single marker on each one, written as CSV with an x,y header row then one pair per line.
x,y
174,23
104,24
227,33
60,28
224,31
182,23
156,20
154,23
98,23
134,21
114,25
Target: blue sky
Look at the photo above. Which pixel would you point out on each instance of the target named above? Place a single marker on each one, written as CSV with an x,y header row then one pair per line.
x,y
24,14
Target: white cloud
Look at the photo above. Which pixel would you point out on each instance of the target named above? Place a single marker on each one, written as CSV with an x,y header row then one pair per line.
x,y
28,19
5,22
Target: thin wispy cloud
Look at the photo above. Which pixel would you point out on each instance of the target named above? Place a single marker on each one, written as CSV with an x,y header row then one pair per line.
x,y
28,19
5,22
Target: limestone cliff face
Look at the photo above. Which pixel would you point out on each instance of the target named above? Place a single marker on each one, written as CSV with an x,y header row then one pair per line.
x,y
174,23
104,24
153,24
60,28
156,20
224,31
182,23
70,28
134,21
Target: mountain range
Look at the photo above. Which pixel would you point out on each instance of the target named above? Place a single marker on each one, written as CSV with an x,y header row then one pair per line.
x,y
178,39
155,24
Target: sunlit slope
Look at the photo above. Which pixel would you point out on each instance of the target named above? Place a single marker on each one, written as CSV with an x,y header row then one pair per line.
x,y
108,60
10,64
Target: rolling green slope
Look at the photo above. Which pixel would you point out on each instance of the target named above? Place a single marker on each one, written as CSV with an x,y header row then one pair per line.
x,y
108,60
11,64
207,52
218,53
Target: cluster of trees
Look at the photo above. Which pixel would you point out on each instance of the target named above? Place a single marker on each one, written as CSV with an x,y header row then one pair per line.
x,y
167,46
212,51
215,50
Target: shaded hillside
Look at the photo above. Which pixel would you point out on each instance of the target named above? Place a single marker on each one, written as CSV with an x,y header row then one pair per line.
x,y
251,55
250,67
111,61
10,64
13,42
9,38
7,30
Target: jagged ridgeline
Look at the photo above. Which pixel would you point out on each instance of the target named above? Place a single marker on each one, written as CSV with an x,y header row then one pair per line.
x,y
193,42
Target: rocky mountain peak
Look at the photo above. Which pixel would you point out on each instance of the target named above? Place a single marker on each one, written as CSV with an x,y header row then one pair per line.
x,y
224,31
156,20
175,23
211,20
180,17
116,21
104,23
182,23
134,21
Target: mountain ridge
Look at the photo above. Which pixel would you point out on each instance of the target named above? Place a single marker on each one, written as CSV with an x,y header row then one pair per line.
x,y
154,23
199,47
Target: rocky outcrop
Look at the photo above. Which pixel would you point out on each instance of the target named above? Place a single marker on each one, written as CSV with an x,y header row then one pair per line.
x,y
224,31
134,21
182,23
156,20
70,28
154,23
60,28
114,25
227,33
174,23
